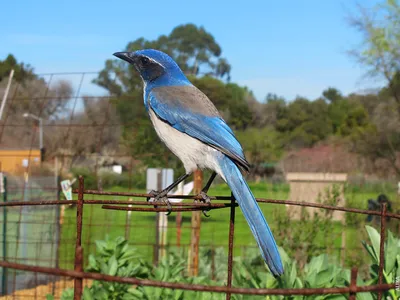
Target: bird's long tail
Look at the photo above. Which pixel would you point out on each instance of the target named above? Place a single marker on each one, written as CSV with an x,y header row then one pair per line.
x,y
252,213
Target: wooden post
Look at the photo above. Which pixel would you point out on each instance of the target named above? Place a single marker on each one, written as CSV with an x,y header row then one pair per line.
x,y
179,219
196,222
157,238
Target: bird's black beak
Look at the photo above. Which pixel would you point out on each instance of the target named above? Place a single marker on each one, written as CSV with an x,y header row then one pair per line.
x,y
125,56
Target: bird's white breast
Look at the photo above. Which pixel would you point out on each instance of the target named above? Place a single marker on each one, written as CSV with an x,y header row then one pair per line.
x,y
193,153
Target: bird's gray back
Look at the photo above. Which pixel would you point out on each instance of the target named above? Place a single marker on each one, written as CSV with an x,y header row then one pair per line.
x,y
187,96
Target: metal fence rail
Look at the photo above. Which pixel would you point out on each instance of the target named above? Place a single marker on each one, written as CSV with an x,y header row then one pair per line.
x,y
79,275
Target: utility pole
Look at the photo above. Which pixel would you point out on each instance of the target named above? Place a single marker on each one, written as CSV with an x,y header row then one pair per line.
x,y
40,120
3,103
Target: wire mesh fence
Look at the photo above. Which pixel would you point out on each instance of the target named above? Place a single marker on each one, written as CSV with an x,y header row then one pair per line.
x,y
218,203
31,234
79,128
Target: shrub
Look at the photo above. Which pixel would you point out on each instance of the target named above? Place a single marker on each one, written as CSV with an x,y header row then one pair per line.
x,y
117,257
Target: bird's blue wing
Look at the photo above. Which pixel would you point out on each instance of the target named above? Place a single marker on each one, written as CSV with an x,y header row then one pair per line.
x,y
188,110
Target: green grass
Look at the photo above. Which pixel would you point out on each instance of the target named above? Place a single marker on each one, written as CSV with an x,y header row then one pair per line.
x,y
98,222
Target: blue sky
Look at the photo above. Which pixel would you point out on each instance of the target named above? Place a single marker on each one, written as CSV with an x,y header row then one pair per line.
x,y
290,48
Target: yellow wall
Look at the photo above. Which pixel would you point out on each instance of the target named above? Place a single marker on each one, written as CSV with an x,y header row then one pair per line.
x,y
12,160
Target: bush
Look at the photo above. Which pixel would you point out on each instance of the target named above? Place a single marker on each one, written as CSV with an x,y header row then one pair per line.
x,y
109,180
117,257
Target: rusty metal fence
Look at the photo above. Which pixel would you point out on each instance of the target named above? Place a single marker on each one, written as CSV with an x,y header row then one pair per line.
x,y
72,129
218,202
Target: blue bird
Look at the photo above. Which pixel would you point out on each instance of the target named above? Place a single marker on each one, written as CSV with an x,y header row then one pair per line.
x,y
192,128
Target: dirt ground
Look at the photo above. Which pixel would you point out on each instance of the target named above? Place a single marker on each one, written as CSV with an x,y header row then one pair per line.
x,y
41,291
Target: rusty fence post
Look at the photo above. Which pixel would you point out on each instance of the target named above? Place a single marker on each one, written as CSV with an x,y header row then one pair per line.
x,y
382,248
78,247
230,252
353,284
196,224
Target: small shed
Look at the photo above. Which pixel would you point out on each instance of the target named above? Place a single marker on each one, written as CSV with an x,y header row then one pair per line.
x,y
312,187
15,161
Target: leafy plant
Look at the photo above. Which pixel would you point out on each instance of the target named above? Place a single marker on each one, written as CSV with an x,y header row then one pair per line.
x,y
305,238
117,257
391,269
212,264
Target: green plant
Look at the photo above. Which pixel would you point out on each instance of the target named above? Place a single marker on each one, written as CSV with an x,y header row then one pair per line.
x,y
109,179
116,257
391,269
212,263
67,294
305,238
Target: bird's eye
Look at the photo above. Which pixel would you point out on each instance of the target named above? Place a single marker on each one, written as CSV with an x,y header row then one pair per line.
x,y
144,61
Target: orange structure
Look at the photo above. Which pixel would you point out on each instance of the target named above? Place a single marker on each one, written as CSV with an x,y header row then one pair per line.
x,y
15,161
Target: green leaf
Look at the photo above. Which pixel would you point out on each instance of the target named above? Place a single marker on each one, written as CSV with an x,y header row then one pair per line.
x,y
390,255
335,297
178,294
87,295
398,265
120,240
293,274
49,297
112,266
68,294
371,252
364,296
323,278
101,247
130,297
92,263
299,283
374,237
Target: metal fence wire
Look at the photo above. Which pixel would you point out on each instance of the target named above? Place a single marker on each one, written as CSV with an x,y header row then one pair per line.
x,y
71,126
30,233
217,203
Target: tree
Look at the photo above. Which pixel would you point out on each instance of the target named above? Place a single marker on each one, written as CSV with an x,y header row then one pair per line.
x,y
347,116
332,95
100,135
304,122
32,93
22,72
261,145
380,139
380,48
29,94
193,48
380,54
274,109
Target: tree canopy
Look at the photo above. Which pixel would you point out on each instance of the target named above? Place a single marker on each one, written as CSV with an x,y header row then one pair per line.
x,y
379,53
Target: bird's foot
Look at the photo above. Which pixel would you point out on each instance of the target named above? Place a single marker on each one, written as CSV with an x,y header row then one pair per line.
x,y
160,197
205,199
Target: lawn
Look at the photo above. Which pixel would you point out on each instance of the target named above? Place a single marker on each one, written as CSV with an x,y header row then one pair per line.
x,y
97,223
141,232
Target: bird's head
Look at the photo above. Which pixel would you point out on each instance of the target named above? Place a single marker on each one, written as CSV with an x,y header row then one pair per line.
x,y
153,65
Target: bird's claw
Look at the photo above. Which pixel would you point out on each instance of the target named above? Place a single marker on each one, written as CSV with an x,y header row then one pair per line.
x,y
160,197
205,199
205,213
153,194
